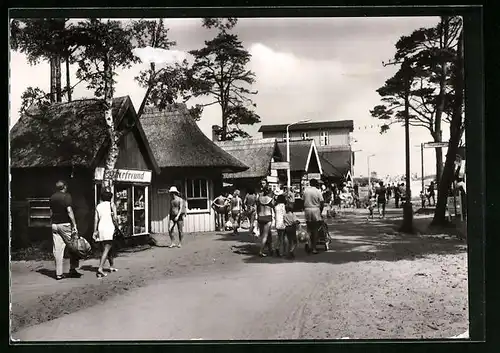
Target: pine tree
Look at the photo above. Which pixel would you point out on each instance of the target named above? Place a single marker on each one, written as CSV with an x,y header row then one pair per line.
x,y
219,71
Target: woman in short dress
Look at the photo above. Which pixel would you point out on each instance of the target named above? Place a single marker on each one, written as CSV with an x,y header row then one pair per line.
x,y
104,229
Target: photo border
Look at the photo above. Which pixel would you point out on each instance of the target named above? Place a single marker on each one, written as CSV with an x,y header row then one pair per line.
x,y
475,132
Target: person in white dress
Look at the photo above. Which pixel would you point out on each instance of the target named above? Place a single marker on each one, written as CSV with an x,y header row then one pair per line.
x,y
104,229
279,214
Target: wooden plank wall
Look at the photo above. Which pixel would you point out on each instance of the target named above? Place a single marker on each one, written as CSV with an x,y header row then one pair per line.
x,y
160,207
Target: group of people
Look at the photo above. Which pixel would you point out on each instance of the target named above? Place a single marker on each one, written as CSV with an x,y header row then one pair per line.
x,y
64,229
261,207
106,229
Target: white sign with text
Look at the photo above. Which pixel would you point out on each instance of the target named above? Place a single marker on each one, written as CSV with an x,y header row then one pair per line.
x,y
125,175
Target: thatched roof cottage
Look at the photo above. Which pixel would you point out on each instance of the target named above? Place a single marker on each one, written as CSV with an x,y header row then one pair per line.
x,y
258,154
190,161
69,141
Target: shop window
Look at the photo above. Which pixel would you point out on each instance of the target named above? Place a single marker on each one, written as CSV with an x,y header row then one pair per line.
x,y
323,140
304,135
39,213
197,195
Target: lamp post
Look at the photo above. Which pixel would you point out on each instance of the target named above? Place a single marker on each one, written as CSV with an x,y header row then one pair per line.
x,y
288,171
369,173
407,226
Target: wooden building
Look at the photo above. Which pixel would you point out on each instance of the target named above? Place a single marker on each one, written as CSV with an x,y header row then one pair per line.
x,y
190,161
333,141
337,163
258,155
69,141
305,163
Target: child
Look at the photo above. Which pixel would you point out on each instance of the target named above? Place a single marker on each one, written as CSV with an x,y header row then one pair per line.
x,y
279,218
371,205
422,198
236,206
291,222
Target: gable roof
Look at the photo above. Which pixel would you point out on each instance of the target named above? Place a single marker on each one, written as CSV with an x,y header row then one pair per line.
x,y
335,163
338,124
301,153
256,153
68,134
177,141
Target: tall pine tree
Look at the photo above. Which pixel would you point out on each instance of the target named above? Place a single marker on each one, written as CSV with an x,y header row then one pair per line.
x,y
219,71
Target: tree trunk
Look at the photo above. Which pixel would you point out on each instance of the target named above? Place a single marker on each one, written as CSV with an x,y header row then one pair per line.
x,y
455,137
441,97
223,135
52,79
439,160
112,157
68,79
57,60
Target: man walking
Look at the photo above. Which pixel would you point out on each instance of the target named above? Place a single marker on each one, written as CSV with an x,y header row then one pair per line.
x,y
313,208
63,229
381,194
177,214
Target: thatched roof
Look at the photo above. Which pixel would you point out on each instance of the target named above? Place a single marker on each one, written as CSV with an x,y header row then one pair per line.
x,y
65,134
301,154
177,141
256,153
335,163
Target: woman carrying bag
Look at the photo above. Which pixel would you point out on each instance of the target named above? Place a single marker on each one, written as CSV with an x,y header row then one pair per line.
x,y
105,226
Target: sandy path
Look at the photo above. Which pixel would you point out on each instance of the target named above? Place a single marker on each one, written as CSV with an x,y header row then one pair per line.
x,y
277,301
246,304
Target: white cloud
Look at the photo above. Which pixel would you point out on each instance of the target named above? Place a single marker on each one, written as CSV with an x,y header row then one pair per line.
x,y
159,56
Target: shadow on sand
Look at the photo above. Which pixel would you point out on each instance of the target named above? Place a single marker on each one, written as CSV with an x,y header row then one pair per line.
x,y
354,239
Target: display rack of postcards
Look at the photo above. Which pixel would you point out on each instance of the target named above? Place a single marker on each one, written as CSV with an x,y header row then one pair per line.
x,y
123,211
139,210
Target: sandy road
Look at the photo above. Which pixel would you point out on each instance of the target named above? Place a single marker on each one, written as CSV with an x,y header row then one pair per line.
x,y
375,284
257,302
278,301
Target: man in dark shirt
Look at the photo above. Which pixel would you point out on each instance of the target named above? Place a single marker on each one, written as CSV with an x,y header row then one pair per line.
x,y
63,229
431,194
381,194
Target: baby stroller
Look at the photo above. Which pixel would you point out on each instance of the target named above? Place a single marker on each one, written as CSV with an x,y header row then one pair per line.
x,y
324,236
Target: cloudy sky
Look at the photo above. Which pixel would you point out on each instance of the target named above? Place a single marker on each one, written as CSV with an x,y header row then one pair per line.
x,y
306,68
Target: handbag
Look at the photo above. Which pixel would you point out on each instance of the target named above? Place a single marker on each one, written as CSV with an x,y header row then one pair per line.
x,y
79,246
117,234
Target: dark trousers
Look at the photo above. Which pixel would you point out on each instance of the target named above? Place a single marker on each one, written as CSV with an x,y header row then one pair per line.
x,y
313,228
291,235
396,200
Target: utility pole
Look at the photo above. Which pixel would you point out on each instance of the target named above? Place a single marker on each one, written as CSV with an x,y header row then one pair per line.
x,y
407,226
422,162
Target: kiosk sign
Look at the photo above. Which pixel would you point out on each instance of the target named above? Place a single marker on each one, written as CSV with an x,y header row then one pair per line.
x,y
125,175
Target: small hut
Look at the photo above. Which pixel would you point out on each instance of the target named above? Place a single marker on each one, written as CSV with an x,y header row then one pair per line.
x,y
258,154
189,160
69,141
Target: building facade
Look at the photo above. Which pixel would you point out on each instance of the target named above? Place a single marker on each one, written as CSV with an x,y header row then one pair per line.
x,y
332,140
188,160
69,142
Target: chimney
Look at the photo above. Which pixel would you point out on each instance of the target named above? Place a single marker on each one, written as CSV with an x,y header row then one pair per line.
x,y
215,128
